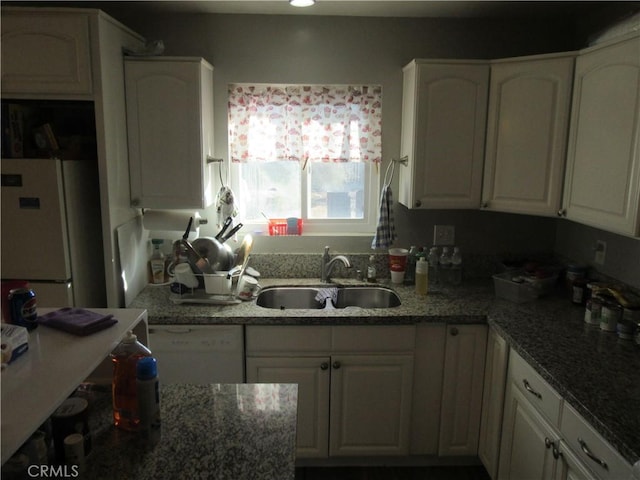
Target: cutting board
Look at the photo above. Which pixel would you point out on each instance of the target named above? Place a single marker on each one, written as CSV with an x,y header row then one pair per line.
x,y
132,247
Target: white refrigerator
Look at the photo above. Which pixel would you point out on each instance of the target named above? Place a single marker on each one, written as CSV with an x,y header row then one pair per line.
x,y
51,230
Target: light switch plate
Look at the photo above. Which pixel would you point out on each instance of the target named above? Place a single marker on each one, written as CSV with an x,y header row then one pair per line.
x,y
444,234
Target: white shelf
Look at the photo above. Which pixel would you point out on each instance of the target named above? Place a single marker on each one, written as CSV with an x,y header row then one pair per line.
x,y
36,383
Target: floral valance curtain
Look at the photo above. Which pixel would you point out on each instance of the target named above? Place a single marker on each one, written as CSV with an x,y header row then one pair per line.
x,y
336,123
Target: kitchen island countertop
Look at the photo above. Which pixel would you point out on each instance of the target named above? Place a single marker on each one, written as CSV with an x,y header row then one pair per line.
x,y
217,431
597,373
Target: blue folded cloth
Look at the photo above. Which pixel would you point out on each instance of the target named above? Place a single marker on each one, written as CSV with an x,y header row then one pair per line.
x,y
77,321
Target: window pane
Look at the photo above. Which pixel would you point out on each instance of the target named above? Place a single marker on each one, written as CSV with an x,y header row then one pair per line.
x,y
270,187
337,190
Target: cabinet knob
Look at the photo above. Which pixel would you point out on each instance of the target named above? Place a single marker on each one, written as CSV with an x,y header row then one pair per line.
x,y
135,202
454,331
485,205
336,364
324,365
418,203
562,212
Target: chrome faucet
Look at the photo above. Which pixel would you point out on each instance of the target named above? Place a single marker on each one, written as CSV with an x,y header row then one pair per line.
x,y
328,263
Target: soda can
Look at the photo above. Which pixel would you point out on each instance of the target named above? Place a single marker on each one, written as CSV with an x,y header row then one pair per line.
x,y
22,304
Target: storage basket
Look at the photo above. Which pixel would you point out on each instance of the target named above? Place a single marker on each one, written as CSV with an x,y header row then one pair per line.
x,y
284,226
522,291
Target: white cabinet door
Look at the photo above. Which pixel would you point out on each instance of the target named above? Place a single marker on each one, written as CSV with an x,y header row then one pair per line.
x,y
312,375
526,450
45,53
602,185
462,389
529,104
443,130
495,379
170,126
370,404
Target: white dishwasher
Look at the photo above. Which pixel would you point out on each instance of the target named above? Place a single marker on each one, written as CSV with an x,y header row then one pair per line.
x,y
198,354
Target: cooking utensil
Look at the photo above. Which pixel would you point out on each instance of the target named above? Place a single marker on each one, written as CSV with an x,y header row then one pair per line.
x,y
231,233
195,259
219,255
226,224
242,256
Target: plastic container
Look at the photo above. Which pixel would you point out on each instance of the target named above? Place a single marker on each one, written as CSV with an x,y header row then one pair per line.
x,y
433,260
148,387
444,264
124,388
284,226
456,267
422,276
517,287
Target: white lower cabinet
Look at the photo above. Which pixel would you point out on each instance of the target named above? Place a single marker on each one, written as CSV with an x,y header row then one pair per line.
x,y
462,384
544,438
312,376
495,378
370,405
527,440
354,384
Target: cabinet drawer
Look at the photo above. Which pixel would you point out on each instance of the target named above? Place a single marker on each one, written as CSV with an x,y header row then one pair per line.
x,y
287,339
373,338
591,448
535,388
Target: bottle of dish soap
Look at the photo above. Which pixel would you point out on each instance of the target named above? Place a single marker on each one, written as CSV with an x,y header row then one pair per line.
x,y
124,388
371,270
422,276
156,262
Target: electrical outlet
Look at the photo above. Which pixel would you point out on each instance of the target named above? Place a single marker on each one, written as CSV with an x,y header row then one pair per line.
x,y
601,250
444,234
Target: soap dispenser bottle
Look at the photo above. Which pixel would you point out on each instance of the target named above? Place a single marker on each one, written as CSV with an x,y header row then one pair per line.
x,y
371,269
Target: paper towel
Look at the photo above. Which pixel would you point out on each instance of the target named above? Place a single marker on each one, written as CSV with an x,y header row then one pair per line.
x,y
171,220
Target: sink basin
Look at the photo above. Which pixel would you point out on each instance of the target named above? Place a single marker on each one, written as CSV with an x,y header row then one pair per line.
x,y
305,297
289,297
366,297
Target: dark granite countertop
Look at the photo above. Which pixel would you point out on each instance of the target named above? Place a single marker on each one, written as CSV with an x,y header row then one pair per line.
x,y
597,373
218,431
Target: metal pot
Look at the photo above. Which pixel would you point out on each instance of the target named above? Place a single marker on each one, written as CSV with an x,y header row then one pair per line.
x,y
219,255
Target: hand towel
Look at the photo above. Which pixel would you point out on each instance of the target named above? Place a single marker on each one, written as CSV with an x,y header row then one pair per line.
x,y
77,321
386,231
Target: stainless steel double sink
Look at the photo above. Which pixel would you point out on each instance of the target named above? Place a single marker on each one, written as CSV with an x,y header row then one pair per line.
x,y
327,297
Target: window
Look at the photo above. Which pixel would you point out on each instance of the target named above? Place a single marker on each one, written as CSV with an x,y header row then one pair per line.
x,y
311,152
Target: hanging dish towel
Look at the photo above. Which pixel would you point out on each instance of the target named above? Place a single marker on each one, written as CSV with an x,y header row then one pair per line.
x,y
386,230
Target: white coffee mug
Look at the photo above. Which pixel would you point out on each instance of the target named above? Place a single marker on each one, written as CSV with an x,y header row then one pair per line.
x,y
247,287
217,283
184,275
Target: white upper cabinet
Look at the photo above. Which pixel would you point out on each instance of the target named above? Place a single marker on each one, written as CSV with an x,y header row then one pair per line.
x,y
529,104
45,53
602,185
170,126
443,130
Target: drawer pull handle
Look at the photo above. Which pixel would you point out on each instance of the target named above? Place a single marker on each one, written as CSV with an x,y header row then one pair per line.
x,y
588,453
531,390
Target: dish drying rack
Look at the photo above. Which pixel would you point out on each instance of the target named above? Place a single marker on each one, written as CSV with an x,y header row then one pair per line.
x,y
199,295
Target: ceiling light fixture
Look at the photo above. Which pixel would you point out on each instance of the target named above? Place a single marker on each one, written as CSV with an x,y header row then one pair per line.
x,y
302,3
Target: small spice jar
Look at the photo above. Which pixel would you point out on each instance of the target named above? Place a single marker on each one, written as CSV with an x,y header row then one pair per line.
x,y
610,316
593,311
579,291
